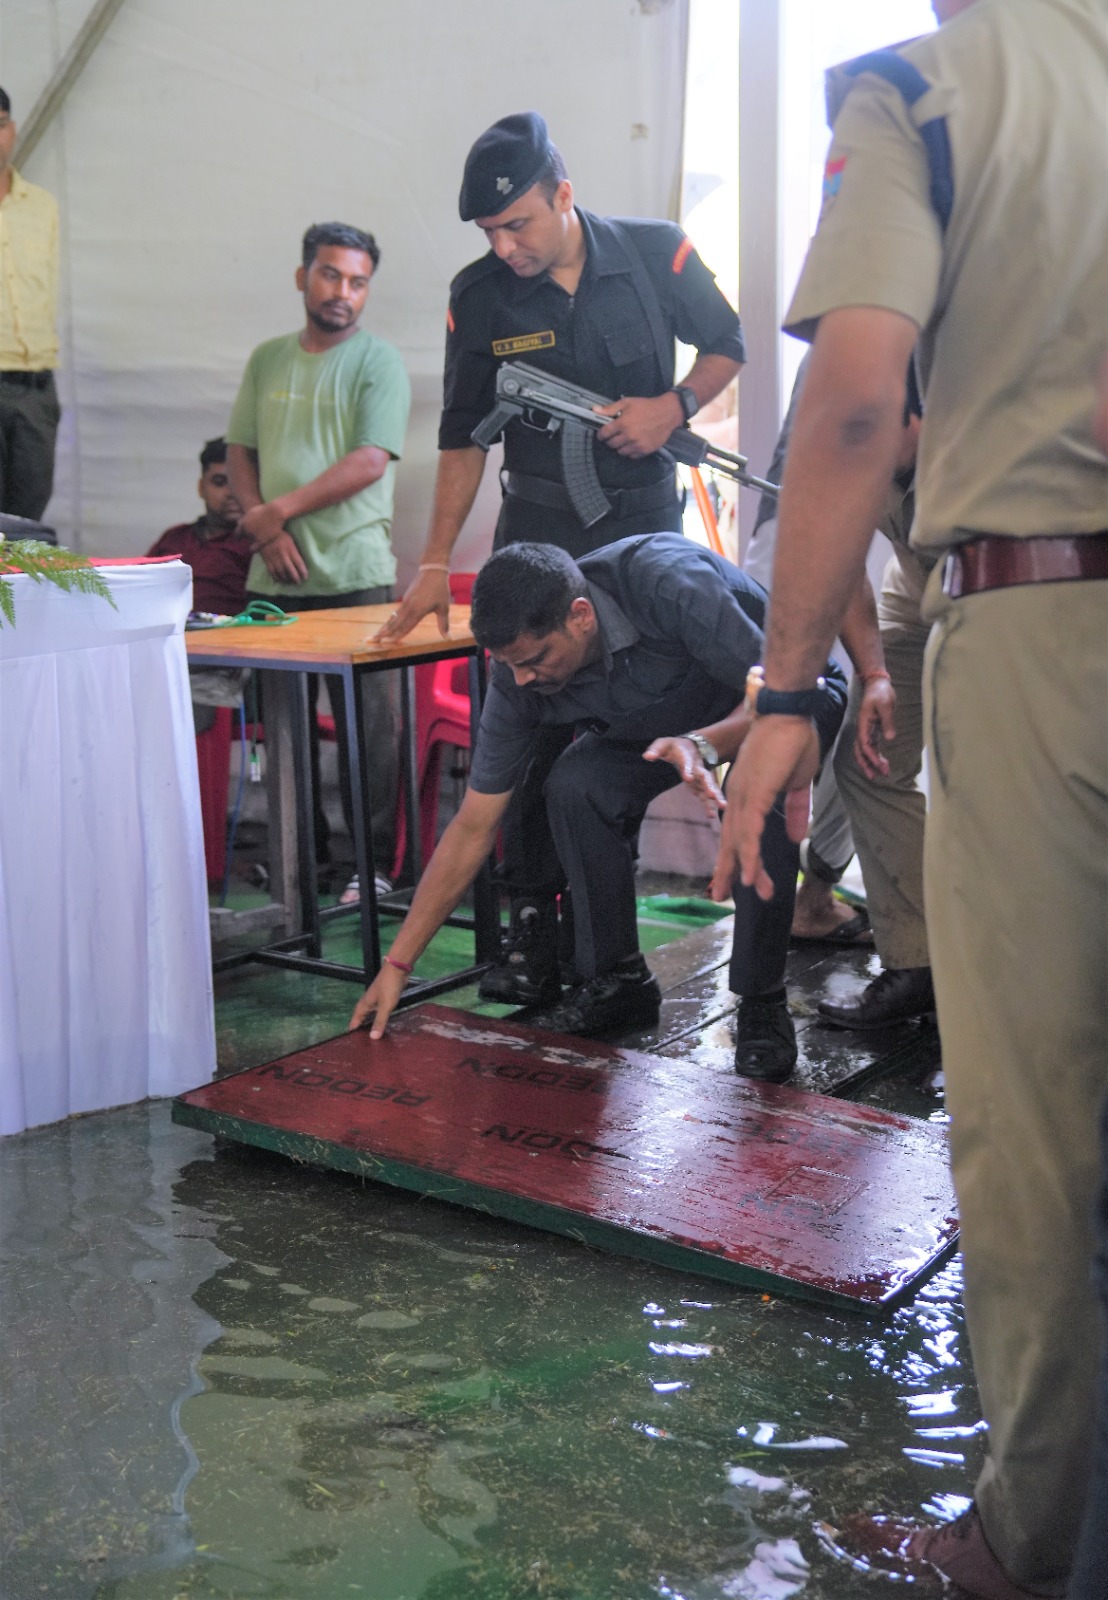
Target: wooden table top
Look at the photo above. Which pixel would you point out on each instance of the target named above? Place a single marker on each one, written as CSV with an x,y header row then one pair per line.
x,y
342,637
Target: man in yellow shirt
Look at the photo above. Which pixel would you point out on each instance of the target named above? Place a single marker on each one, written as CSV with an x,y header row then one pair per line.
x,y
29,408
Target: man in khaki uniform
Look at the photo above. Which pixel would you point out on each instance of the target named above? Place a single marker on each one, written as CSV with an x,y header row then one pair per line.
x,y
991,252
883,798
868,796
29,410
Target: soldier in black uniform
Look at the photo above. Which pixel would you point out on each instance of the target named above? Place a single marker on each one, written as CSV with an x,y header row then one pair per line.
x,y
598,301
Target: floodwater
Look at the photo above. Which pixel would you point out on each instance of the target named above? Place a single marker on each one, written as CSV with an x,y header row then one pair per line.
x,y
228,1375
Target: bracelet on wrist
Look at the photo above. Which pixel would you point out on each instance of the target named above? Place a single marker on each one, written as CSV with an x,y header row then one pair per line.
x,y
868,677
434,566
401,966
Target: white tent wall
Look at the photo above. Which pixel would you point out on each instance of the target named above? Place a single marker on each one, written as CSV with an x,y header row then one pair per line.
x,y
203,136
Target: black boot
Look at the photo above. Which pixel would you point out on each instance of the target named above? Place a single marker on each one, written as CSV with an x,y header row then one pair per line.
x,y
526,971
625,997
567,940
765,1039
895,995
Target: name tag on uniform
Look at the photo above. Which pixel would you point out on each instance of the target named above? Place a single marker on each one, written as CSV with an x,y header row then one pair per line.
x,y
524,341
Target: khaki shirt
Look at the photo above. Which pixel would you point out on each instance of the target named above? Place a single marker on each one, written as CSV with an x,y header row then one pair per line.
x,y
1012,299
28,278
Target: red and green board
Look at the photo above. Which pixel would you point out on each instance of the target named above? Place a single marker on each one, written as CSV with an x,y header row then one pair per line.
x,y
784,1191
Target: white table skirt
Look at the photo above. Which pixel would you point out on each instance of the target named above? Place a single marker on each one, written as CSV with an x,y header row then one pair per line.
x,y
105,961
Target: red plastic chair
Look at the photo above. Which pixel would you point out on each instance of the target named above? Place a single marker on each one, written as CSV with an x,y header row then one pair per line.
x,y
213,761
442,718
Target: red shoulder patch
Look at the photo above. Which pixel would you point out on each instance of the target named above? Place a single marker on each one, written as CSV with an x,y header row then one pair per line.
x,y
833,177
684,251
449,320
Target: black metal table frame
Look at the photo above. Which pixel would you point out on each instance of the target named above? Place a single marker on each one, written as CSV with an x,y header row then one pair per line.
x,y
302,952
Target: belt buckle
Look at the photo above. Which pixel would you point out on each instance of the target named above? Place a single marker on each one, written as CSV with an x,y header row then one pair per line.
x,y
952,572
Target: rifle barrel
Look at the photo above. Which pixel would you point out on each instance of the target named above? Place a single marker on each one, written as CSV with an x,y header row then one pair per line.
x,y
733,466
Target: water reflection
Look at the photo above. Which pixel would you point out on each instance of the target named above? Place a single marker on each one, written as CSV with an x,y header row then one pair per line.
x,y
319,1387
420,1394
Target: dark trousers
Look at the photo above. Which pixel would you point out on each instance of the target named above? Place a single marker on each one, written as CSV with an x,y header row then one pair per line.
x,y
29,414
582,802
380,731
1090,1569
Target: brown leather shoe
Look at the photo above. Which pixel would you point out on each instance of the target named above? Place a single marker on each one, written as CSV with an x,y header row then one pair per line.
x,y
953,1552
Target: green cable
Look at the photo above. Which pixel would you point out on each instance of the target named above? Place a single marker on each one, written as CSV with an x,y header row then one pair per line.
x,y
258,614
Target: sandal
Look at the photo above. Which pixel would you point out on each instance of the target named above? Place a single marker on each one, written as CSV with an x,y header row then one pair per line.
x,y
855,931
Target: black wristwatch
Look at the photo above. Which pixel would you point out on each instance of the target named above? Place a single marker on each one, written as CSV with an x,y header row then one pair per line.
x,y
782,702
690,405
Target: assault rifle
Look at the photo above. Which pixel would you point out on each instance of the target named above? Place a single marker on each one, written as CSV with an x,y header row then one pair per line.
x,y
554,405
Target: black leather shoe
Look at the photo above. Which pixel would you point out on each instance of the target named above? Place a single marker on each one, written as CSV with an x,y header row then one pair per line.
x,y
526,972
765,1038
626,997
895,995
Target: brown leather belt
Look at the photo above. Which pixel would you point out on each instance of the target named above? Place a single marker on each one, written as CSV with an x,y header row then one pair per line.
x,y
994,562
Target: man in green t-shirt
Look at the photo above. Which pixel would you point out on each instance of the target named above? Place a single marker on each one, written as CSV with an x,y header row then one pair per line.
x,y
314,436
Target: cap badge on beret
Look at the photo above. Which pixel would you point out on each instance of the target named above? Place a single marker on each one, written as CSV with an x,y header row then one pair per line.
x,y
504,162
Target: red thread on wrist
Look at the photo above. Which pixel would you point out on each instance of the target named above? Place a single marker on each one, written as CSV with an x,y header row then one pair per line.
x,y
401,966
868,677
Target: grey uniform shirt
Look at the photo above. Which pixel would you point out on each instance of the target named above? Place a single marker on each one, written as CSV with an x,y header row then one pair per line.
x,y
680,628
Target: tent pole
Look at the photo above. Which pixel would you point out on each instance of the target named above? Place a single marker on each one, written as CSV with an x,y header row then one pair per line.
x,y
760,290
64,76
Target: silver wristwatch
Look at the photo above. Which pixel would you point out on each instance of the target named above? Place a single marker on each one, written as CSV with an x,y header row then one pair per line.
x,y
705,748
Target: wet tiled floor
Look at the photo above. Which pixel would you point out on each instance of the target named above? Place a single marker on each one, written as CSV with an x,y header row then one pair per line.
x,y
226,1374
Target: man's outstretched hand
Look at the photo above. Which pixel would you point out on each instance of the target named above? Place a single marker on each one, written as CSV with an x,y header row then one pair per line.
x,y
429,591
682,754
379,1001
778,754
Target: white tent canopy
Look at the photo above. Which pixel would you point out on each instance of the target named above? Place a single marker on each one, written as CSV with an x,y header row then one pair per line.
x,y
203,136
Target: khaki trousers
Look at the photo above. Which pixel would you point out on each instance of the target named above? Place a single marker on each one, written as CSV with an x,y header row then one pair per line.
x,y
887,814
1017,909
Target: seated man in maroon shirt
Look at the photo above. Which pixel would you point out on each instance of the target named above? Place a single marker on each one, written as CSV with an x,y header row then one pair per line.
x,y
219,557
217,553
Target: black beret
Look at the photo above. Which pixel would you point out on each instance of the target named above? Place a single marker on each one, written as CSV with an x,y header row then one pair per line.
x,y
503,164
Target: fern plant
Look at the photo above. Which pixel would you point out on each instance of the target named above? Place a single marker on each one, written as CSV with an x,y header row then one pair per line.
x,y
45,563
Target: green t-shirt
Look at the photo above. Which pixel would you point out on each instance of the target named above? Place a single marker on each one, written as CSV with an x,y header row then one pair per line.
x,y
302,413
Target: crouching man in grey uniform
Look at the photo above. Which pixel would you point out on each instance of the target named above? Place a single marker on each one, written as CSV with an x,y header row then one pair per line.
x,y
643,648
